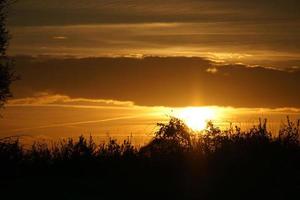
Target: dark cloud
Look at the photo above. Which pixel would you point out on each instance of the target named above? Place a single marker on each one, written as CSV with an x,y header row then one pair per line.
x,y
56,12
158,81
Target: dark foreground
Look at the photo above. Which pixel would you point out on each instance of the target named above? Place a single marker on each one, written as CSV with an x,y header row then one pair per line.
x,y
175,165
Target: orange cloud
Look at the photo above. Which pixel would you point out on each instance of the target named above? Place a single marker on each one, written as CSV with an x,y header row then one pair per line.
x,y
57,99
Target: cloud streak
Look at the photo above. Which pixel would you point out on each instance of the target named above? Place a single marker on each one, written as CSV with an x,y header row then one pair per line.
x,y
56,99
76,123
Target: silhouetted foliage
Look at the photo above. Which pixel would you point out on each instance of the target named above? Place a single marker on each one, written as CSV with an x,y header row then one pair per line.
x,y
177,164
7,75
171,138
4,36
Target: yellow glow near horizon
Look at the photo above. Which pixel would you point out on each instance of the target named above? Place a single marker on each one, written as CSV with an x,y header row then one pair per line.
x,y
196,117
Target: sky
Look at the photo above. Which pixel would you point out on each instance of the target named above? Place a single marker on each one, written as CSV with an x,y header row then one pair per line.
x,y
150,55
257,32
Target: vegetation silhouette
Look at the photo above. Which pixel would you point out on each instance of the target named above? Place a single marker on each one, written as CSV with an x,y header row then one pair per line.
x,y
7,74
176,164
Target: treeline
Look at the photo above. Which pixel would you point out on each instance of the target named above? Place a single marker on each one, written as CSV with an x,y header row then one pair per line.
x,y
176,164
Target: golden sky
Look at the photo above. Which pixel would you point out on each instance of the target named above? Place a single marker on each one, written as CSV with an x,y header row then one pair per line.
x,y
51,117
105,63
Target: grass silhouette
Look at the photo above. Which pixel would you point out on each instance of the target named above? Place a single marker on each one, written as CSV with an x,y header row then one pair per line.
x,y
176,164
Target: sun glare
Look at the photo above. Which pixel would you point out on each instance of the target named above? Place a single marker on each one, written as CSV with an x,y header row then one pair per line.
x,y
196,117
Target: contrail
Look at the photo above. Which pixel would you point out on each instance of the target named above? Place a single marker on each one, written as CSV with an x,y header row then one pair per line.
x,y
78,123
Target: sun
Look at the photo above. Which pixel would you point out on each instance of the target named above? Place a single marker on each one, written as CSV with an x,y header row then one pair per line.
x,y
196,117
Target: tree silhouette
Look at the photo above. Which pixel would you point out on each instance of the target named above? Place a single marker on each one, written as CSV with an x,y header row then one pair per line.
x,y
171,138
7,75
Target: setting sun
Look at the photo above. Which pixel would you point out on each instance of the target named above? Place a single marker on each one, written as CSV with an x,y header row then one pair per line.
x,y
196,117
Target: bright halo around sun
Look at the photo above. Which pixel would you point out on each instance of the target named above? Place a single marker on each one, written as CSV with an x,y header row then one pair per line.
x,y
196,117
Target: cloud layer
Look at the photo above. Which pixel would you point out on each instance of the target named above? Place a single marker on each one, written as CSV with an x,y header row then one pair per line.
x,y
156,81
253,32
70,12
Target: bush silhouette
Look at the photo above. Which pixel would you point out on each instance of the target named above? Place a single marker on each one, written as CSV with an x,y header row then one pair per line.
x,y
171,138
